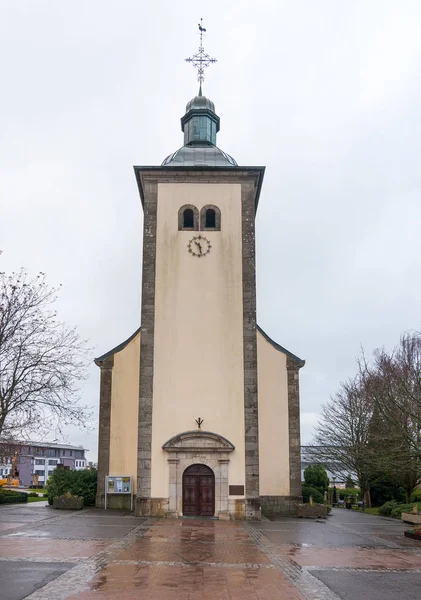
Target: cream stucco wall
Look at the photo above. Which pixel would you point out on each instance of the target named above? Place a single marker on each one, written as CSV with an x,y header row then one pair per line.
x,y
198,343
124,410
273,419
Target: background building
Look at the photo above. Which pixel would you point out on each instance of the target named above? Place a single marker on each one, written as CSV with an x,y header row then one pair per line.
x,y
336,472
23,461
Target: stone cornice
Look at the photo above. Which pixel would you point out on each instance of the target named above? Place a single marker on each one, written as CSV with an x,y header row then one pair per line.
x,y
198,441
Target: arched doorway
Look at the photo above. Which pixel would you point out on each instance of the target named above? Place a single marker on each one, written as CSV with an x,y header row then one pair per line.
x,y
198,491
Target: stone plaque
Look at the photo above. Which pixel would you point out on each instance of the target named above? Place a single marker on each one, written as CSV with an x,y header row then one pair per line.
x,y
236,490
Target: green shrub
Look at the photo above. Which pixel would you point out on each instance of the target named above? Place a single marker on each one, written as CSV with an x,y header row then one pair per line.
x,y
45,495
12,497
33,495
400,508
78,483
416,495
308,491
343,494
386,509
316,476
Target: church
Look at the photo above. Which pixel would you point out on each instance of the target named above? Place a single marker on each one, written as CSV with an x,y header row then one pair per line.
x,y
200,407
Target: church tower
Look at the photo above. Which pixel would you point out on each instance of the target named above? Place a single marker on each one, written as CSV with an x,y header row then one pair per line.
x,y
198,356
184,420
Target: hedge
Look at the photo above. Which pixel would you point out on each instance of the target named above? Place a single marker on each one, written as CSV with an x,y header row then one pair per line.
x,y
394,509
400,508
11,497
78,483
308,490
386,509
344,493
416,495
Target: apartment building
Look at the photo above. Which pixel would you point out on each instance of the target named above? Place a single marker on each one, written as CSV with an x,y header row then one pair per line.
x,y
32,463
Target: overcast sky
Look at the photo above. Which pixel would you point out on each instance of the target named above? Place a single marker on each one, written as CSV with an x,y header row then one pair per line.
x,y
326,94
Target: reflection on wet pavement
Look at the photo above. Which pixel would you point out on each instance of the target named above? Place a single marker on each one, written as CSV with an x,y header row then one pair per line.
x,y
116,555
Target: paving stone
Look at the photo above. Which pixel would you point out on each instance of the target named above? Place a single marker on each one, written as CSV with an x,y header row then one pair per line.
x,y
120,556
356,558
17,581
64,549
372,586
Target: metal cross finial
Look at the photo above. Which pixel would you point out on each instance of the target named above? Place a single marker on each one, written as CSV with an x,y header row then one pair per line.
x,y
199,422
201,60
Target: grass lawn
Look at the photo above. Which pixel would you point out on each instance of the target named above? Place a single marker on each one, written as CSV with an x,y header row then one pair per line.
x,y
372,511
39,499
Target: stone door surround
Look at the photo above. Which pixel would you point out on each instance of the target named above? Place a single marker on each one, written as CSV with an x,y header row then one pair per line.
x,y
198,447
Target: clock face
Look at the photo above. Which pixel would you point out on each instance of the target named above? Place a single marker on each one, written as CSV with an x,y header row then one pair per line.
x,y
199,246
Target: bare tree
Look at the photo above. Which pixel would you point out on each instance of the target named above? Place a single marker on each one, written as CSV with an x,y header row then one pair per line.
x,y
41,361
373,425
343,431
393,382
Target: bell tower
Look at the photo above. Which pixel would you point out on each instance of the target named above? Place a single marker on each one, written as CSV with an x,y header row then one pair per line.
x,y
198,352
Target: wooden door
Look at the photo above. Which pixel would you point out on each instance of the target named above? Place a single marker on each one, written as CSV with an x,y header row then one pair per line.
x,y
206,495
190,495
198,491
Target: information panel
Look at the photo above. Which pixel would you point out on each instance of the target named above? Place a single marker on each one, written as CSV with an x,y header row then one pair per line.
x,y
118,484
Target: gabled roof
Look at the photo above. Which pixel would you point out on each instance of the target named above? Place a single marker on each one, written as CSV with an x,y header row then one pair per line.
x,y
280,348
117,348
277,346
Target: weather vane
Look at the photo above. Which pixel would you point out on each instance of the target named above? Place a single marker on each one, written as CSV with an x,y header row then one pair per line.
x,y
199,422
201,60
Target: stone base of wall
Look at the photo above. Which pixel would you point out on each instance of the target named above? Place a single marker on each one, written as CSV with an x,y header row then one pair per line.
x,y
117,501
236,509
252,509
143,507
160,507
280,506
100,500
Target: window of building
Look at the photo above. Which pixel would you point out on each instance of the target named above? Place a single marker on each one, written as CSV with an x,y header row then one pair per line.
x,y
188,218
210,218
52,462
39,461
39,472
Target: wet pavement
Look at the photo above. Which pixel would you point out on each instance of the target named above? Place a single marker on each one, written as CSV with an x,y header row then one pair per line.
x,y
63,555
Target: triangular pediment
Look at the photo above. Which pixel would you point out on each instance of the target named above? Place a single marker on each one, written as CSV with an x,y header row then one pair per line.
x,y
197,441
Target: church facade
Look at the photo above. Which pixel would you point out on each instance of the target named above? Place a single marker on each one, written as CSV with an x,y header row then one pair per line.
x,y
200,406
